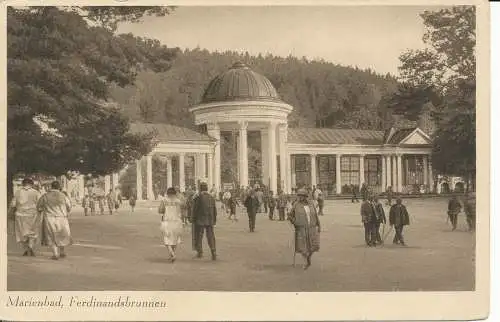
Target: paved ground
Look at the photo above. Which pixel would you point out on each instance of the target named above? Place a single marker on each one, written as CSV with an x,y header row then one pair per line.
x,y
124,252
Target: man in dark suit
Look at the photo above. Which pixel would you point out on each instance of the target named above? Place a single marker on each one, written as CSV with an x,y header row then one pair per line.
x,y
369,218
204,218
252,204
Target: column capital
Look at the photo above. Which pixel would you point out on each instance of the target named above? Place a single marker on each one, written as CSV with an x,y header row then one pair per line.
x,y
272,125
313,155
362,155
243,125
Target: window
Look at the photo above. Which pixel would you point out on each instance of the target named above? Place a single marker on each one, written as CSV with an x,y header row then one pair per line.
x,y
349,170
414,166
373,171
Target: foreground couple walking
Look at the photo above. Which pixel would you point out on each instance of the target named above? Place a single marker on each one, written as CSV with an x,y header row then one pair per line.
x,y
201,212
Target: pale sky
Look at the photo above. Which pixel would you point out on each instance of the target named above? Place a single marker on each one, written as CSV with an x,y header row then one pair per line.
x,y
367,37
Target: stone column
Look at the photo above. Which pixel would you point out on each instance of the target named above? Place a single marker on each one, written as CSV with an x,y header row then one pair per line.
x,y
293,178
243,153
361,169
338,176
430,175
138,185
283,133
210,170
384,175
388,169
271,141
425,169
288,174
81,185
264,141
107,184
214,131
116,179
400,172
313,170
394,174
169,172
203,170
149,177
182,175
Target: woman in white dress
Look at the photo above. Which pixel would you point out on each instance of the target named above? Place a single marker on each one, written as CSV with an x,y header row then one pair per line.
x,y
171,221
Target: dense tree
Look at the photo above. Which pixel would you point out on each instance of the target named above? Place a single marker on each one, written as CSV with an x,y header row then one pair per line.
x,y
444,75
61,62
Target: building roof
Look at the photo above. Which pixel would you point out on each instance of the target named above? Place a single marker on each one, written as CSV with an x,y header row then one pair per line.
x,y
240,83
335,136
170,133
399,135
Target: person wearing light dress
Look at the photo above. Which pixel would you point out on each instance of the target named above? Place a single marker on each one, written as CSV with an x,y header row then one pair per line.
x,y
172,226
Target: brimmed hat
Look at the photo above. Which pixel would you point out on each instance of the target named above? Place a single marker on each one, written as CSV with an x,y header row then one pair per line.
x,y
302,192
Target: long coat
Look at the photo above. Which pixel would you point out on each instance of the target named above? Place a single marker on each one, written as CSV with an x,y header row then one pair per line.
x,y
306,231
380,213
398,215
367,212
252,204
204,210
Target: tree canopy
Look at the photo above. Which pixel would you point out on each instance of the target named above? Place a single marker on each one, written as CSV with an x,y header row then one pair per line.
x,y
61,62
444,75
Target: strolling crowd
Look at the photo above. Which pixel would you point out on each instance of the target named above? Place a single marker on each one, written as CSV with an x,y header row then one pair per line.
x,y
41,217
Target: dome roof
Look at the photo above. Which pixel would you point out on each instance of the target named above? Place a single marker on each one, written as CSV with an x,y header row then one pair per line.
x,y
240,83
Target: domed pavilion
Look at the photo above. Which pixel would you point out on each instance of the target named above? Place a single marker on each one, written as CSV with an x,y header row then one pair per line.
x,y
240,100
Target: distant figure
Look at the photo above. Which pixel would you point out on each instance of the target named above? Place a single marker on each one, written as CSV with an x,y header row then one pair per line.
x,y
320,200
265,199
55,207
189,195
101,201
305,220
260,197
111,200
131,201
171,222
470,211
204,219
272,204
399,217
281,202
389,195
354,193
27,220
369,218
92,201
379,219
86,204
454,208
252,205
232,203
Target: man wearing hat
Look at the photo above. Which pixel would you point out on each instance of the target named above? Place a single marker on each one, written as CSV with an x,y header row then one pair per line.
x,y
27,219
252,204
470,211
369,219
204,218
304,218
399,217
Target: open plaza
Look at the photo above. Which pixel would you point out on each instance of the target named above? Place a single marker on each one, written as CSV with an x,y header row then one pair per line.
x,y
125,252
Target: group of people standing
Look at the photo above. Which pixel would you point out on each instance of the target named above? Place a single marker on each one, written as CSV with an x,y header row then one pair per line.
x,y
41,217
112,199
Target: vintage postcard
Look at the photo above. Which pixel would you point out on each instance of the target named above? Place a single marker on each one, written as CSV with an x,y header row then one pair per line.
x,y
265,161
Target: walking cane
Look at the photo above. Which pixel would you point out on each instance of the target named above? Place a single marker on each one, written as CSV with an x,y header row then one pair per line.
x,y
388,232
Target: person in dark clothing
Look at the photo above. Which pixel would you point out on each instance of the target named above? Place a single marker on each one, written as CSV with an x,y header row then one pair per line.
x,y
204,218
252,204
380,219
272,204
389,195
368,217
470,211
454,208
232,203
364,192
354,191
281,203
266,197
399,217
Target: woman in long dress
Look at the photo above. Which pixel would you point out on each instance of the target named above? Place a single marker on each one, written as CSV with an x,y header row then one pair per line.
x,y
171,221
55,206
304,217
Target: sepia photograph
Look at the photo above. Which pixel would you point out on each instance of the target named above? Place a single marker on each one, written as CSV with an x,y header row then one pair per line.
x,y
285,148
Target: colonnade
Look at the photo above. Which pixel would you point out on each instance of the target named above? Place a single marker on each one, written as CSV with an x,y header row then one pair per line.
x,y
391,168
